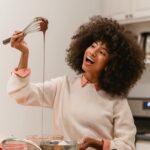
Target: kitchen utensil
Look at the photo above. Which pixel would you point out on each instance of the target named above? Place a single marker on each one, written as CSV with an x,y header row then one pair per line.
x,y
24,144
60,145
37,24
43,138
8,144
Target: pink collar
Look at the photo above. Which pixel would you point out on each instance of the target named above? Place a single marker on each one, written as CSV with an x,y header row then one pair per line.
x,y
84,82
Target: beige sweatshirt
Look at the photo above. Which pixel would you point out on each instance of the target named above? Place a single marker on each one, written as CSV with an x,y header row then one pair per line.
x,y
79,111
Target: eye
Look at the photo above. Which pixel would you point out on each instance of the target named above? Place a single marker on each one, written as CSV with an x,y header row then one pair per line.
x,y
102,52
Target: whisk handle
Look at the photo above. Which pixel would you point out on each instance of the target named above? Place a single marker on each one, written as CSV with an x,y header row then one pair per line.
x,y
6,41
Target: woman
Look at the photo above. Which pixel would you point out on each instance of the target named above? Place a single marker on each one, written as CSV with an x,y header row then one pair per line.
x,y
91,107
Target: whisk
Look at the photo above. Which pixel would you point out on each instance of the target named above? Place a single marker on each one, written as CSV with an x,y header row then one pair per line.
x,y
37,24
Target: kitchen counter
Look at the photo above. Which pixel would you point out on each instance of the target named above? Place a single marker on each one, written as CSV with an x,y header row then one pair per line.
x,y
143,137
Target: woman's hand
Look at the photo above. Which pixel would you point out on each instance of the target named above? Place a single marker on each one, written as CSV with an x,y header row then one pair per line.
x,y
17,41
90,142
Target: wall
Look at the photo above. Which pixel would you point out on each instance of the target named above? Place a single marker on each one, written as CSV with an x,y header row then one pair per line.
x,y
64,17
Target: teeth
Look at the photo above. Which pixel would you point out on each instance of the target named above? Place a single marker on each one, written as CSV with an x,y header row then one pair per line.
x,y
89,58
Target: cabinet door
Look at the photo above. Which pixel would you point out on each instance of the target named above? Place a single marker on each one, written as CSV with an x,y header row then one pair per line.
x,y
120,9
141,8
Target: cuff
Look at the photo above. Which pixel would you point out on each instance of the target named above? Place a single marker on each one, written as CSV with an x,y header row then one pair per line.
x,y
24,72
106,144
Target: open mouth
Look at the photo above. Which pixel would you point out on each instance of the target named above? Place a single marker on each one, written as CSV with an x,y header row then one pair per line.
x,y
89,60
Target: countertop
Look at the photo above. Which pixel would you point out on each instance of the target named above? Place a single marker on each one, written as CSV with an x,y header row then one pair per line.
x,y
143,137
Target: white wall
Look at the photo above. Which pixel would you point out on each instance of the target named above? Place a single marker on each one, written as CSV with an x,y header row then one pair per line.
x,y
64,17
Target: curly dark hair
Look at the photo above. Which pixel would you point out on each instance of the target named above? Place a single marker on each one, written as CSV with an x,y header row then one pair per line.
x,y
127,58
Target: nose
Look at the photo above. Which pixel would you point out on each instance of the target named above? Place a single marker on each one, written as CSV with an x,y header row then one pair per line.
x,y
94,51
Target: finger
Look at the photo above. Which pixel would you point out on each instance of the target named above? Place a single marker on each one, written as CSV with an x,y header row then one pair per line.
x,y
83,146
12,41
18,35
17,32
81,140
20,39
16,39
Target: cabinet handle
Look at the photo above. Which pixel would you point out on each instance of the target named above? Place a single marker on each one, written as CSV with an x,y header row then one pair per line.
x,y
129,16
126,16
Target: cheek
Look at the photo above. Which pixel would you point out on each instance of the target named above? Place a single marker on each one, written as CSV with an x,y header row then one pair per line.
x,y
102,63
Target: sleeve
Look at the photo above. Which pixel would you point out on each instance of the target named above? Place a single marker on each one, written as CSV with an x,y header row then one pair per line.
x,y
39,94
124,127
22,72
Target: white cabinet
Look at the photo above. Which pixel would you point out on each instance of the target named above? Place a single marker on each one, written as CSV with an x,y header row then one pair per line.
x,y
120,9
126,9
141,8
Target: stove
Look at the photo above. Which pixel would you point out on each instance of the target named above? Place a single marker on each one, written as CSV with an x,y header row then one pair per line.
x,y
140,108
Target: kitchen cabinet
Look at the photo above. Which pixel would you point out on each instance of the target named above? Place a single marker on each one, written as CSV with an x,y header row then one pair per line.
x,y
117,9
141,8
126,9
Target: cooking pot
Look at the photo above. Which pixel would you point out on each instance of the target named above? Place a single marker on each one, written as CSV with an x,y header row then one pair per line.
x,y
60,145
44,145
19,144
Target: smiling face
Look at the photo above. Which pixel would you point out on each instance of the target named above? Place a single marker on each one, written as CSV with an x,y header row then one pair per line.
x,y
95,60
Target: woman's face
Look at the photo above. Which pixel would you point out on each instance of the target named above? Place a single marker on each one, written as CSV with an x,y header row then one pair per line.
x,y
95,58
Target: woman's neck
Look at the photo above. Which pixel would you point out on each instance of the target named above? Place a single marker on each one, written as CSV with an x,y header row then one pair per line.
x,y
91,78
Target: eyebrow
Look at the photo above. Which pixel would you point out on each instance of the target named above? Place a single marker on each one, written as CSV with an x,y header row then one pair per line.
x,y
105,48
